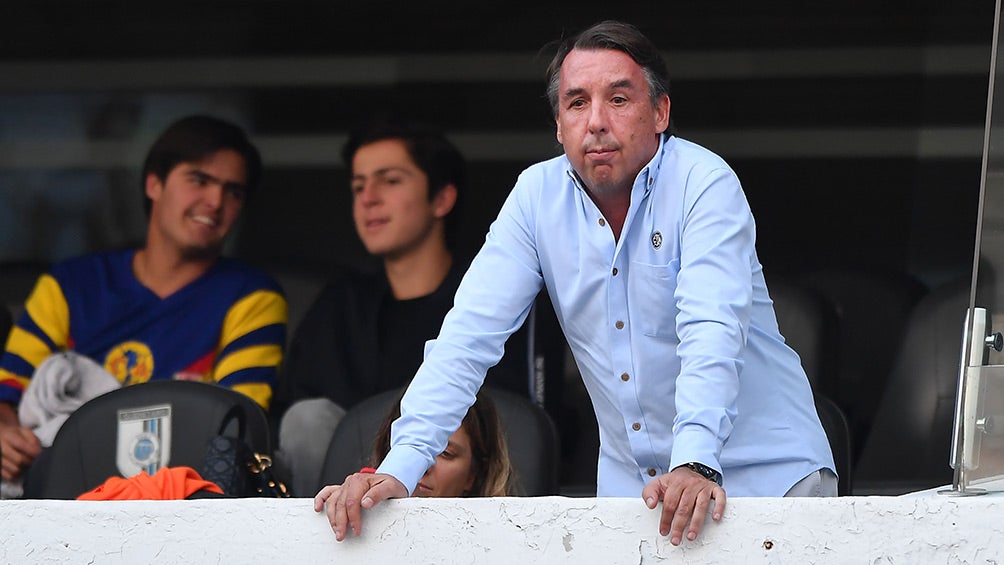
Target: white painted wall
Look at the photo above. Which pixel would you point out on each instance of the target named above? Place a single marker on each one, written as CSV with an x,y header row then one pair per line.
x,y
874,530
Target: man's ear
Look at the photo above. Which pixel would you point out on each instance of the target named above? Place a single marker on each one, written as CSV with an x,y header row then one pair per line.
x,y
662,107
154,186
444,201
558,131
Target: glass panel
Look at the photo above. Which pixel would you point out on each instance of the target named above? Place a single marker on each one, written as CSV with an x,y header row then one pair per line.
x,y
978,448
984,466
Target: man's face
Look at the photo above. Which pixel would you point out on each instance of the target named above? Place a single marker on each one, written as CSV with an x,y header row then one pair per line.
x,y
390,199
194,208
606,121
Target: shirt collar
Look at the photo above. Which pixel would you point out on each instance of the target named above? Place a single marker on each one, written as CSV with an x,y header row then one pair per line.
x,y
650,172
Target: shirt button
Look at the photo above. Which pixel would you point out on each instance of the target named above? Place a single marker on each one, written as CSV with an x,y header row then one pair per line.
x,y
619,325
614,271
603,222
625,377
651,472
636,426
650,181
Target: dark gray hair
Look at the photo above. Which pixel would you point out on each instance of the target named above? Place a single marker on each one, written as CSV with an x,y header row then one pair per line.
x,y
618,36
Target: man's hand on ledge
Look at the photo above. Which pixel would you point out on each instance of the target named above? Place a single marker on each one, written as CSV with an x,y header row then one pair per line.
x,y
685,496
343,503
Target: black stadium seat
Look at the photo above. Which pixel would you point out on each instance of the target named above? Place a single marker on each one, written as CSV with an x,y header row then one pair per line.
x,y
808,322
83,454
872,307
910,442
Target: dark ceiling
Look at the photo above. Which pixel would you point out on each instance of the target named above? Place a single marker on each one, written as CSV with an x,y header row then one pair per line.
x,y
843,118
122,29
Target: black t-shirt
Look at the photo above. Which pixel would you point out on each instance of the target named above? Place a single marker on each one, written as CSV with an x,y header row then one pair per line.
x,y
404,328
357,341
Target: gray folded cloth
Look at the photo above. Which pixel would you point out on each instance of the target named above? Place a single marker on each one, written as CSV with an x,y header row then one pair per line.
x,y
63,382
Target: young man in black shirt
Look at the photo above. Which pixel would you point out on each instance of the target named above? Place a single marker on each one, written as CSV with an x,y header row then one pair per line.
x,y
366,332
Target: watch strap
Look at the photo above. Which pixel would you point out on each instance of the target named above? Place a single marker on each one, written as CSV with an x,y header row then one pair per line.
x,y
704,471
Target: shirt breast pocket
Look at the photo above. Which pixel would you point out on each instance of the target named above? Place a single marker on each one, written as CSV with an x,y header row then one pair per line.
x,y
653,305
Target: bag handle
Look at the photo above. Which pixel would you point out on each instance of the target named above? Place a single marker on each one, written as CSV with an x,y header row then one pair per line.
x,y
235,412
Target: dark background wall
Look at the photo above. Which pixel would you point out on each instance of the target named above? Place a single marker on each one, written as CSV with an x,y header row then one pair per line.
x,y
855,126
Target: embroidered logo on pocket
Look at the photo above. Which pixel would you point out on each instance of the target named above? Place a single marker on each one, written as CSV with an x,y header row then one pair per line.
x,y
657,240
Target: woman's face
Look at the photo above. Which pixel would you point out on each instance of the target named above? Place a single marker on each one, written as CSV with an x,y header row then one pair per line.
x,y
453,473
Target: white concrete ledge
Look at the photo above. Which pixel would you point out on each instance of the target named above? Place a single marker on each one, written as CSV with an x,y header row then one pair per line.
x,y
877,530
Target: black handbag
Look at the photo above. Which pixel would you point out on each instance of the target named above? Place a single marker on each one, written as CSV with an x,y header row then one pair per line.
x,y
235,467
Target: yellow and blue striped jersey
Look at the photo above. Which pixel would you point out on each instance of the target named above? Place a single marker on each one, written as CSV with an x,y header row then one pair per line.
x,y
228,326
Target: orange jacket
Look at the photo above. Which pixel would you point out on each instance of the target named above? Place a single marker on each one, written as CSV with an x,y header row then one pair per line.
x,y
169,483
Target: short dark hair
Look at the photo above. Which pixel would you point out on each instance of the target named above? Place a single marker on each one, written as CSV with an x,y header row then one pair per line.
x,y
618,36
194,138
439,159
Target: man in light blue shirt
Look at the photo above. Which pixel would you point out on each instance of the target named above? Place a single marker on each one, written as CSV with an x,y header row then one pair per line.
x,y
646,245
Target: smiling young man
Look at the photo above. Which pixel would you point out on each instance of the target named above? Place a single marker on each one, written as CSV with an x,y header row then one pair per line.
x,y
646,245
173,309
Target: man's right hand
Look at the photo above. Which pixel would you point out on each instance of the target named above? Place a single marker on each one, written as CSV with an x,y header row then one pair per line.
x,y
18,449
686,497
344,503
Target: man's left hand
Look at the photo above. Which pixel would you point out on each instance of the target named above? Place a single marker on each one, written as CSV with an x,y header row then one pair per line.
x,y
685,496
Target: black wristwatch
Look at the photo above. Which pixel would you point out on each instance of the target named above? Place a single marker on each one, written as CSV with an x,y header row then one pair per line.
x,y
704,471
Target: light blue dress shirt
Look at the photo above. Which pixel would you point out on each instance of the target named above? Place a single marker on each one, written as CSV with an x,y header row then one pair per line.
x,y
671,327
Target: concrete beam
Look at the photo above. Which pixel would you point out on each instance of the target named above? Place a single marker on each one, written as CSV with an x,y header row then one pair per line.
x,y
878,530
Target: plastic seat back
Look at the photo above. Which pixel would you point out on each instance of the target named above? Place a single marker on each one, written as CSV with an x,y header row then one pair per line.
x,y
909,444
838,432
88,449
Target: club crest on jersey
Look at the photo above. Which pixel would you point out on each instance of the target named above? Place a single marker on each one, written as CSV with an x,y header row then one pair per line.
x,y
131,362
143,441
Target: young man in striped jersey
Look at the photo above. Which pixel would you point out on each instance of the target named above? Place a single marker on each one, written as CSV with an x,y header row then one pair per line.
x,y
172,309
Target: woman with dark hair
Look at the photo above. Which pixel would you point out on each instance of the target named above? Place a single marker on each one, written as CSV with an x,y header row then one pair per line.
x,y
475,462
